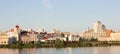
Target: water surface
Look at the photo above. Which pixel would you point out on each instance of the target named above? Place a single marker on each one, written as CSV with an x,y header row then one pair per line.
x,y
81,50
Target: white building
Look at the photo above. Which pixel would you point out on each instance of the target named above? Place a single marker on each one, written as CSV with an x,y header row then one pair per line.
x,y
104,39
10,36
14,32
98,27
72,37
97,31
115,36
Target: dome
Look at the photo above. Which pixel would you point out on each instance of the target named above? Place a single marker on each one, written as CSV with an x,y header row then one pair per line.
x,y
17,26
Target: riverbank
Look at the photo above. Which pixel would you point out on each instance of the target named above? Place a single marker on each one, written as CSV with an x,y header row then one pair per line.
x,y
62,44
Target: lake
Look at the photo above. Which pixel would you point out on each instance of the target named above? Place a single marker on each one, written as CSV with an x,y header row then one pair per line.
x,y
79,50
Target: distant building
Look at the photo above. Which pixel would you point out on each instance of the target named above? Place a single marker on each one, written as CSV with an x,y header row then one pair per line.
x,y
108,32
71,37
27,37
97,31
14,32
10,36
76,37
98,27
4,39
48,37
104,39
56,31
115,36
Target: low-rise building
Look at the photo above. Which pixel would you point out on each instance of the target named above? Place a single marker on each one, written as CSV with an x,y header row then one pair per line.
x,y
104,39
4,40
115,36
27,37
10,36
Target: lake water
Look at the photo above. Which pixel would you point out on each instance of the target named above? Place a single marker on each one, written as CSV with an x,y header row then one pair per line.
x,y
81,50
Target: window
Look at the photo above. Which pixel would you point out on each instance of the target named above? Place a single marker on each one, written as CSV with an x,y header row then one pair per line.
x,y
5,42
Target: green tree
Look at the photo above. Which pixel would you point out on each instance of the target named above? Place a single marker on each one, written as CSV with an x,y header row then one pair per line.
x,y
80,39
62,35
67,39
59,43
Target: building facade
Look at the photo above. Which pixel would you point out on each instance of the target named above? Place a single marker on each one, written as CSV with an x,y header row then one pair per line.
x,y
98,27
98,30
10,36
115,36
27,37
4,40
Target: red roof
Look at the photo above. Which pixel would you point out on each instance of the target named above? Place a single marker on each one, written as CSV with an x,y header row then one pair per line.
x,y
45,39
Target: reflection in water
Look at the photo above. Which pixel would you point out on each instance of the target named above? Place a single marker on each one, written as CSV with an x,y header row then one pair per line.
x,y
69,50
9,51
102,50
82,50
27,51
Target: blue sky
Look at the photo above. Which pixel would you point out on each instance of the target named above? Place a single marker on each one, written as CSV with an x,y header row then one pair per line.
x,y
66,15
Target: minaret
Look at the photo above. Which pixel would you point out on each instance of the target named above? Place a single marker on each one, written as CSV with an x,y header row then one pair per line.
x,y
17,29
16,32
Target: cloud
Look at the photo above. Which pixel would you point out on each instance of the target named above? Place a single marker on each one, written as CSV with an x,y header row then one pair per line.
x,y
47,4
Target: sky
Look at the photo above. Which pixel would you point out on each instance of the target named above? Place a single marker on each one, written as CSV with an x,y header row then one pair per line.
x,y
65,15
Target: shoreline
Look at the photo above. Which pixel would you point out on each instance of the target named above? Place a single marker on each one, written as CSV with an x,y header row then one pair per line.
x,y
62,44
62,47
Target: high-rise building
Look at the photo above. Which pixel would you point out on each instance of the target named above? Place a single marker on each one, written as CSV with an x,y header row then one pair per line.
x,y
97,31
98,27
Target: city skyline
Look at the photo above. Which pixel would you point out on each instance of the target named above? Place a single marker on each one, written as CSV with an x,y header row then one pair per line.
x,y
73,16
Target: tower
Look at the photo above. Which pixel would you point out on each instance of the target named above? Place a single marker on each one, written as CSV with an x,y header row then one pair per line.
x,y
16,32
98,27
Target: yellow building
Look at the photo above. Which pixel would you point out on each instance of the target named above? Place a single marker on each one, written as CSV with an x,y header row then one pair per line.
x,y
113,37
14,32
4,39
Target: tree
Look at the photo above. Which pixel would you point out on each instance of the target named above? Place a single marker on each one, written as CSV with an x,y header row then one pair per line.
x,y
62,35
59,43
93,40
80,39
67,39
